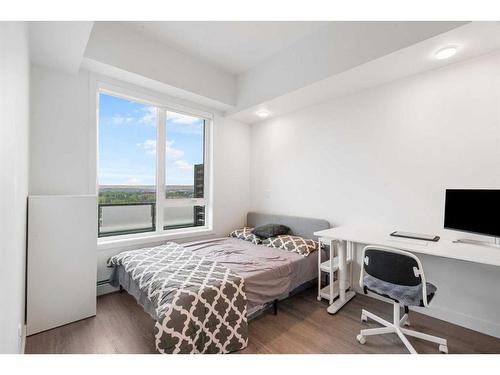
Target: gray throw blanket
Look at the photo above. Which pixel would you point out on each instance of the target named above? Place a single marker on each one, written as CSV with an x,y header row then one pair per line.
x,y
200,305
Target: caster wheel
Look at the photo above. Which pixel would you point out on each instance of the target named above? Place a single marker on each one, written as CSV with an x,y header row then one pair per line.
x,y
361,339
407,323
443,349
364,318
318,298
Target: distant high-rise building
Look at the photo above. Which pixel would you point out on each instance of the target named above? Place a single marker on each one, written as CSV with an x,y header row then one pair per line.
x,y
199,179
199,191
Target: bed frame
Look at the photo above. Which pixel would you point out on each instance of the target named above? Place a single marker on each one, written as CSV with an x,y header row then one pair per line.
x,y
300,226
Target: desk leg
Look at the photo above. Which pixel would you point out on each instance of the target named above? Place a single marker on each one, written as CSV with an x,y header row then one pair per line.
x,y
331,275
319,271
344,296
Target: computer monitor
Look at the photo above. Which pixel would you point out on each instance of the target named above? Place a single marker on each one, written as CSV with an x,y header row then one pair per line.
x,y
473,211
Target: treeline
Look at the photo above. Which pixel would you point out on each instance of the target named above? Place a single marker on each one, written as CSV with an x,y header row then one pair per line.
x,y
120,197
117,197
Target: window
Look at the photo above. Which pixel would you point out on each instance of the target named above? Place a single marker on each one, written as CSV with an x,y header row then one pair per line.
x,y
152,172
184,171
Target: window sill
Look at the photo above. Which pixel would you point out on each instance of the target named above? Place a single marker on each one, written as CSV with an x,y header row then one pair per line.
x,y
149,238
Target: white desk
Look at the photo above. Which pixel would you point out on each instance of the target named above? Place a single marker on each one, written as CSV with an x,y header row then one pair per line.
x,y
348,236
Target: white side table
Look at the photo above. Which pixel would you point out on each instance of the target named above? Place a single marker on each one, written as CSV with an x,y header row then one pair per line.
x,y
339,270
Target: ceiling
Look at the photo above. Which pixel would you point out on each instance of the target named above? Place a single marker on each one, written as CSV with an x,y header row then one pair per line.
x,y
234,47
472,39
241,68
59,45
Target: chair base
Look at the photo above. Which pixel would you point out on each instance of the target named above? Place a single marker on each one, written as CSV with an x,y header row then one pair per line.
x,y
397,327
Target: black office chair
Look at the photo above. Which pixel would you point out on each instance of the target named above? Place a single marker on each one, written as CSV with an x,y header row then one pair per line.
x,y
397,275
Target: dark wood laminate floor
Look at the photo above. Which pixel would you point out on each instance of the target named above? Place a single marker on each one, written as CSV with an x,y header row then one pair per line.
x,y
301,326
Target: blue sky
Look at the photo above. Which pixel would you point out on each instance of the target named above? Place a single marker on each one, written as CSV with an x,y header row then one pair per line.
x,y
127,144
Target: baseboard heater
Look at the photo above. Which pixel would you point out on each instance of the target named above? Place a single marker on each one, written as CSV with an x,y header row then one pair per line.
x,y
105,287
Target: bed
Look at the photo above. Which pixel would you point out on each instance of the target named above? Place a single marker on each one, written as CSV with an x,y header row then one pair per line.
x,y
202,293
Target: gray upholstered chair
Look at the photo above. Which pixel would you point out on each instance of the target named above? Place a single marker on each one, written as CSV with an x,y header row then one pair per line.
x,y
396,275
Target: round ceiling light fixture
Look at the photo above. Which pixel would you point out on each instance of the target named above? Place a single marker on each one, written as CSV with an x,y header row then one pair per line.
x,y
263,113
446,52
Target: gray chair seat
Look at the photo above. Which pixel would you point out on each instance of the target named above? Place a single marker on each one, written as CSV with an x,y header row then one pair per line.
x,y
405,295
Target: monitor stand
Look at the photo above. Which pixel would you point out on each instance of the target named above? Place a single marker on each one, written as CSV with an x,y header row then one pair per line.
x,y
480,243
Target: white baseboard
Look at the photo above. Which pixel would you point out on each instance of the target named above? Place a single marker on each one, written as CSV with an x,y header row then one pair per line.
x,y
463,320
454,317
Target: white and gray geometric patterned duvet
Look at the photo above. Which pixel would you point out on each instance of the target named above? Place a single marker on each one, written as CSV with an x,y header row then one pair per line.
x,y
200,305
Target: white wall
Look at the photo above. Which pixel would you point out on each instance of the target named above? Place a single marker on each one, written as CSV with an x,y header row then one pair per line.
x,y
386,156
14,119
59,141
63,144
59,44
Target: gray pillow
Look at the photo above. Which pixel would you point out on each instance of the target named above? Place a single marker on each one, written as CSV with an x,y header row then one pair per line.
x,y
294,244
271,230
245,234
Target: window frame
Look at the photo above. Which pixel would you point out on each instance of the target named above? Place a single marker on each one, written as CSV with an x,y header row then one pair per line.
x,y
162,106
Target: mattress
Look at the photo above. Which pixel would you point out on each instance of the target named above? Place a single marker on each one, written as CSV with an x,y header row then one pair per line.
x,y
268,273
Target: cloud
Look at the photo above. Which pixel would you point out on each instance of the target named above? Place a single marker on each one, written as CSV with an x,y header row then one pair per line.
x,y
149,146
118,119
183,165
133,181
181,118
183,124
149,116
122,176
171,153
144,116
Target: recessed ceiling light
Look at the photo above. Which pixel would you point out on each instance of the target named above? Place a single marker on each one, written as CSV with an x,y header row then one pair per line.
x,y
446,52
263,113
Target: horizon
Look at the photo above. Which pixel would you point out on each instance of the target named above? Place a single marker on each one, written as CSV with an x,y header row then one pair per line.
x,y
148,185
